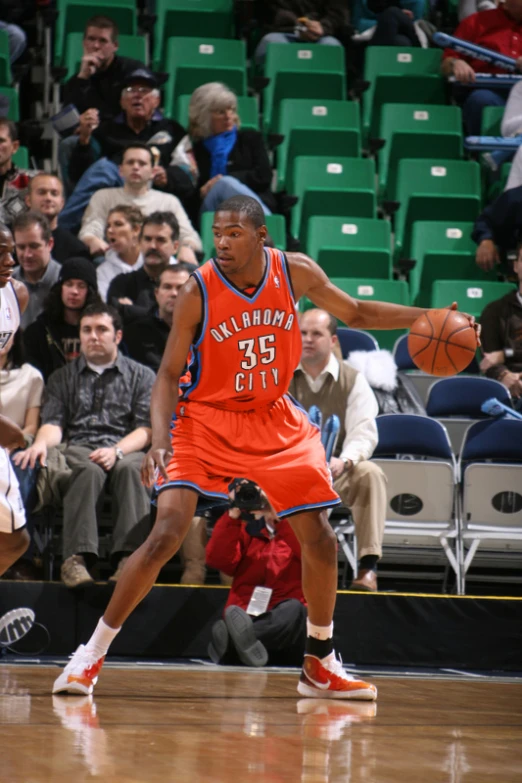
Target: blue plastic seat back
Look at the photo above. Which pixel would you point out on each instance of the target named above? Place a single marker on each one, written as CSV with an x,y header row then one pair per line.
x,y
355,340
411,434
463,396
493,439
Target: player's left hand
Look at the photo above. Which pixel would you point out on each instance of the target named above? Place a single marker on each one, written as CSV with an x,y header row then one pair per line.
x,y
471,319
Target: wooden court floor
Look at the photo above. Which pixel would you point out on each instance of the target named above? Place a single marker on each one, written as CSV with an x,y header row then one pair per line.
x,y
199,724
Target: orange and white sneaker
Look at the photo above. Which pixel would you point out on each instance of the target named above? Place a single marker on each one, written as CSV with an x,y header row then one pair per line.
x,y
327,679
81,673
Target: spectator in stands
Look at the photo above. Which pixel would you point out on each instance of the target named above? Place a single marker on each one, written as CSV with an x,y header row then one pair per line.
x,y
146,337
306,21
501,336
258,553
95,90
38,270
124,224
97,86
137,171
389,23
53,339
335,387
497,229
45,195
133,293
226,161
16,36
139,122
21,388
499,29
14,181
98,405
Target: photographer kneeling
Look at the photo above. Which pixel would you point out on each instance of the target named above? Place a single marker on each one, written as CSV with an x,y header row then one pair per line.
x,y
265,614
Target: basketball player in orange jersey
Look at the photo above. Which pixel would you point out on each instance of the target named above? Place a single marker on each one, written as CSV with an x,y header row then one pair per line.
x,y
237,316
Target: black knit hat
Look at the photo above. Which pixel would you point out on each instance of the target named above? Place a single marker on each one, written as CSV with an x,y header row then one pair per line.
x,y
79,268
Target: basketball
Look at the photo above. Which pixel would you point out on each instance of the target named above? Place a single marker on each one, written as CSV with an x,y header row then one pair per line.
x,y
442,342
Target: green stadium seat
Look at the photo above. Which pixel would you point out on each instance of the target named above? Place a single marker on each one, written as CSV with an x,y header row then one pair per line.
x,y
190,19
14,108
5,61
395,291
73,14
191,62
416,131
21,158
399,75
301,71
434,190
331,186
491,120
442,251
309,126
274,223
350,247
471,296
134,46
246,106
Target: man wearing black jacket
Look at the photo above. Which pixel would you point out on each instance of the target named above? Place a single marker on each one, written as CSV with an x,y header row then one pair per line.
x,y
98,84
498,228
146,337
53,339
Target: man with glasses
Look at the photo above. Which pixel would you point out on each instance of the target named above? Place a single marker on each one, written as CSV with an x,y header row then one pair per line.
x,y
95,159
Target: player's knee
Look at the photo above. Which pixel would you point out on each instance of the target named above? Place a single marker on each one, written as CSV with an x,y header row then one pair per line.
x,y
162,545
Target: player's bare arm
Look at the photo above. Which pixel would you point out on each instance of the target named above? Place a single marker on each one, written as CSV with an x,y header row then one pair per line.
x,y
185,320
308,279
22,294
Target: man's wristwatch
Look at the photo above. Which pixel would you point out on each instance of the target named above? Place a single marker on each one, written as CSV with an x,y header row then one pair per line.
x,y
119,452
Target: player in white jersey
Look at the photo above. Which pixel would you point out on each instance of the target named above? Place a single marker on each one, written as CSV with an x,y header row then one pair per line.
x,y
14,538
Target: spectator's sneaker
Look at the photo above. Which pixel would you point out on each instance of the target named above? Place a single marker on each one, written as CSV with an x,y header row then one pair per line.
x,y
327,679
81,673
74,572
14,625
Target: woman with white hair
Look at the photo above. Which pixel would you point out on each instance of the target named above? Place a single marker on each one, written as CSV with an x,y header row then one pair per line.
x,y
224,160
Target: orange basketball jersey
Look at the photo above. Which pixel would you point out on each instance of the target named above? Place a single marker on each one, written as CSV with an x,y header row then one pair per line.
x,y
249,344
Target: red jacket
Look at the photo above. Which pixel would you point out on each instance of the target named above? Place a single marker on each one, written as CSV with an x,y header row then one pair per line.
x,y
252,562
493,30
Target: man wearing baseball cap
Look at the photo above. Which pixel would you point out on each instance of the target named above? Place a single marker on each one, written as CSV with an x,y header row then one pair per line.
x,y
95,159
54,338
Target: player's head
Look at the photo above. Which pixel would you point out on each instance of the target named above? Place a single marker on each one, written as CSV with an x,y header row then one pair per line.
x,y
6,255
318,333
239,232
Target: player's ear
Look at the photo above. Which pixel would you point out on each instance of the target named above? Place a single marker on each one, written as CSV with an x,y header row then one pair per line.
x,y
262,233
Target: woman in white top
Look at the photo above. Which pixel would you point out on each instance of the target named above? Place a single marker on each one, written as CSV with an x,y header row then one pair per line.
x,y
123,231
21,389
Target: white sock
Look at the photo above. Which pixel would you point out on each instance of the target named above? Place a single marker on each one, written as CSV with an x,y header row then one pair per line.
x,y
322,632
102,638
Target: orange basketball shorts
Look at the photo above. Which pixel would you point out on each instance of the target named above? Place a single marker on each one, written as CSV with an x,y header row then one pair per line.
x,y
276,447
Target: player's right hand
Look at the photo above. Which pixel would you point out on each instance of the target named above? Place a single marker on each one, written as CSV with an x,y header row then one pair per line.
x,y
463,72
155,460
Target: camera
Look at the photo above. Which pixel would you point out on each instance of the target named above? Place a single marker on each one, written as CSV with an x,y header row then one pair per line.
x,y
248,496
